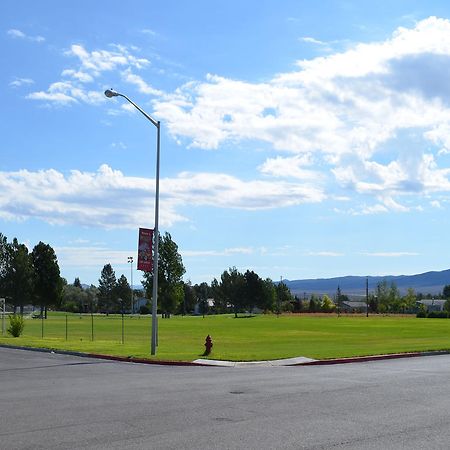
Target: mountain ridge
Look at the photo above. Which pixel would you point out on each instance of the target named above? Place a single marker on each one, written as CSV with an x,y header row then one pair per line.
x,y
431,282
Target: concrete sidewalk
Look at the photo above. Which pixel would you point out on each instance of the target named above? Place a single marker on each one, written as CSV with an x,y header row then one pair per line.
x,y
276,362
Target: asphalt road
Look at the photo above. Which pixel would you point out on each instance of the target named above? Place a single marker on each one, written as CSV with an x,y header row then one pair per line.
x,y
50,401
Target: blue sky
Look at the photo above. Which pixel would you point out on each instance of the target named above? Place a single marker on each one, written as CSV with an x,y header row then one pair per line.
x,y
300,139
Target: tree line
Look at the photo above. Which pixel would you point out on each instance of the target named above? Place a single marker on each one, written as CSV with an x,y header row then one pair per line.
x,y
34,278
29,278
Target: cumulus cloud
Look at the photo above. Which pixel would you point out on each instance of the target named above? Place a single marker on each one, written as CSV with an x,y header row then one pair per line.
x,y
109,199
67,92
348,110
293,167
89,67
98,61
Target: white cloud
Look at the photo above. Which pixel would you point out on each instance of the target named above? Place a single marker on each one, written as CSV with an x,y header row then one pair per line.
x,y
21,82
290,167
18,34
120,145
225,252
91,64
109,199
83,77
347,109
91,256
99,61
149,32
142,86
325,253
391,254
312,40
66,92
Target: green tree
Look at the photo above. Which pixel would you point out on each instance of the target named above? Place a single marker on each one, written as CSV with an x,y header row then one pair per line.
x,y
123,292
231,289
395,303
74,299
48,283
92,293
382,294
18,275
284,297
4,263
107,289
327,304
446,305
220,302
202,294
189,300
77,283
446,291
408,302
170,273
313,304
254,291
268,295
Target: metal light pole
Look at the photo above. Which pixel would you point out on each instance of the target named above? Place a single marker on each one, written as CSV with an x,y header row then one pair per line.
x,y
3,300
130,260
110,93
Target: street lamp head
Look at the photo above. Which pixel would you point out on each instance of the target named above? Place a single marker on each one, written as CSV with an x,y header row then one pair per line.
x,y
110,93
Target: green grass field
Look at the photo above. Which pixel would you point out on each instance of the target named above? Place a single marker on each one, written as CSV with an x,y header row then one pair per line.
x,y
243,339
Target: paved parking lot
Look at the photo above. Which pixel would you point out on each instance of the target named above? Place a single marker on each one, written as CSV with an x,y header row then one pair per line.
x,y
51,401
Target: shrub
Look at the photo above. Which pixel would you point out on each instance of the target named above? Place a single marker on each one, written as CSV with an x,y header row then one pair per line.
x,y
421,314
437,315
144,309
16,325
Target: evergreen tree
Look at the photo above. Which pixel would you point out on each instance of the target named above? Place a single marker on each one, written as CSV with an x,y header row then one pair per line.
x,y
446,291
283,297
123,292
107,289
202,293
48,283
18,278
189,300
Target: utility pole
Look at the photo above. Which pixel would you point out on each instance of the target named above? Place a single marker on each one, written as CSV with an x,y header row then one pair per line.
x,y
367,296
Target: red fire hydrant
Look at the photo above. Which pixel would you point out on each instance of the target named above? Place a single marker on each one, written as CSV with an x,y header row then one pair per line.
x,y
208,345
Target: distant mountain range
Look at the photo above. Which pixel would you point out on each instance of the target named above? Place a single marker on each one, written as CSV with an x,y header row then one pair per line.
x,y
426,283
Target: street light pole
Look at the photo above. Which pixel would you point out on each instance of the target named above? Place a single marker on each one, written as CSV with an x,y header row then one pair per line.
x,y
130,260
110,93
3,300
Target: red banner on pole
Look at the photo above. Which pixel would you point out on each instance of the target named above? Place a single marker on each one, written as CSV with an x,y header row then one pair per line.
x,y
145,258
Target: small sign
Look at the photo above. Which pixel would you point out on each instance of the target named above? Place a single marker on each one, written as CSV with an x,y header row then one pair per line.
x,y
145,258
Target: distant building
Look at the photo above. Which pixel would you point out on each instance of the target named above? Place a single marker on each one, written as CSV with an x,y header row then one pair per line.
x,y
436,304
353,306
197,306
138,302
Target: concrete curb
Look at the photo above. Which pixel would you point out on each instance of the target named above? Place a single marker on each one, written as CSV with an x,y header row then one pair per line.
x,y
360,359
218,363
104,357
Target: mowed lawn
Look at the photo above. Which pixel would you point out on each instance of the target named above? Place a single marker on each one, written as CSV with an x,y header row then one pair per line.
x,y
242,339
